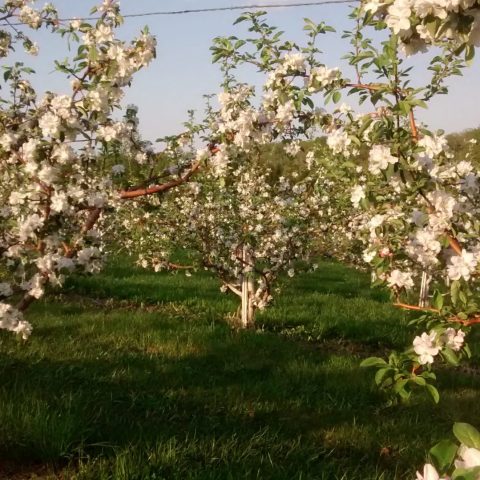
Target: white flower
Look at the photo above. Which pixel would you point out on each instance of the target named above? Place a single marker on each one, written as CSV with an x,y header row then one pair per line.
x,y
98,100
97,200
295,62
345,109
424,247
49,124
436,8
380,158
285,112
433,145
5,289
372,6
310,159
400,279
464,168
453,339
63,153
75,24
429,473
7,140
28,226
118,169
59,202
368,255
292,148
88,258
29,149
338,141
48,174
111,132
62,106
426,347
23,328
462,266
444,204
291,272
321,77
358,194
141,158
35,286
376,221
11,319
103,33
470,457
398,18
31,17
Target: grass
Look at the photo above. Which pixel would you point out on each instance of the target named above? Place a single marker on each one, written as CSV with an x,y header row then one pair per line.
x,y
134,375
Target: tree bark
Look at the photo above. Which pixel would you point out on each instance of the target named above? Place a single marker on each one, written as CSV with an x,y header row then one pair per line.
x,y
424,290
248,309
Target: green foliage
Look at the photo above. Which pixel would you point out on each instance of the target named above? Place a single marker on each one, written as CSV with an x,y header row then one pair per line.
x,y
467,435
136,375
443,454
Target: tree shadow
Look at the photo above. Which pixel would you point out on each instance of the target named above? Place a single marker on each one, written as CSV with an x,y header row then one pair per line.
x,y
231,389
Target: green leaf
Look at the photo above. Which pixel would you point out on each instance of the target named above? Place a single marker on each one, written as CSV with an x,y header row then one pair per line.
x,y
336,96
433,392
443,454
419,381
399,385
380,375
450,356
404,107
438,300
373,362
467,434
93,54
466,474
454,291
240,19
469,53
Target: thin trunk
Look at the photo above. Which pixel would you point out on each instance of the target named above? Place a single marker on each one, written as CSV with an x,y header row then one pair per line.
x,y
424,290
248,310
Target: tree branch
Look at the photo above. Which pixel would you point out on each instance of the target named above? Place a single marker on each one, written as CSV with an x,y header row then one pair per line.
x,y
141,192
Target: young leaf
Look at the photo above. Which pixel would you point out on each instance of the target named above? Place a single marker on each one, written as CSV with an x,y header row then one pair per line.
x,y
443,454
450,356
433,392
467,434
373,362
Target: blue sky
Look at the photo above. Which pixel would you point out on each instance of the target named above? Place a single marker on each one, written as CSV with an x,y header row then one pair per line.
x,y
183,71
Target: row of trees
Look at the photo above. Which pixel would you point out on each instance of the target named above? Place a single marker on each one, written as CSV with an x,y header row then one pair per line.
x,y
72,174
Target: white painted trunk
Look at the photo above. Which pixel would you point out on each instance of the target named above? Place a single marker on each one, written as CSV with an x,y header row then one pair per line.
x,y
248,292
424,290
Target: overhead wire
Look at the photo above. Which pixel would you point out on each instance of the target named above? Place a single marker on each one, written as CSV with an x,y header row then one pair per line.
x,y
212,9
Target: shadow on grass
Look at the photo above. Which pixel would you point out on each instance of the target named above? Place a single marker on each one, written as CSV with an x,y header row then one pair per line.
x,y
235,396
127,392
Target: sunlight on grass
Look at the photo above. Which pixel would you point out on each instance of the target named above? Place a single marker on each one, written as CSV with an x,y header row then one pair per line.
x,y
134,375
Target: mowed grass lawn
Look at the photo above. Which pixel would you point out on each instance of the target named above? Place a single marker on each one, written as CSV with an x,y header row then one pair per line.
x,y
136,375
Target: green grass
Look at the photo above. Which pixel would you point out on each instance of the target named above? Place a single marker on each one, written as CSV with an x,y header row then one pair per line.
x,y
135,375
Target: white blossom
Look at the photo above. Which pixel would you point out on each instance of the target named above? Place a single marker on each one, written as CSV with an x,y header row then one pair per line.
x,y
426,347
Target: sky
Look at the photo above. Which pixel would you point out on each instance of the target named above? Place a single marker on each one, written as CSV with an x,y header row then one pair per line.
x,y
183,72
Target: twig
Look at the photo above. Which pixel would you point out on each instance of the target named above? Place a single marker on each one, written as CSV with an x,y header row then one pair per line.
x,y
416,307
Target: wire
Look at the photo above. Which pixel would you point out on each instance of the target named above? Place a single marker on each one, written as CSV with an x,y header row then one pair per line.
x,y
214,9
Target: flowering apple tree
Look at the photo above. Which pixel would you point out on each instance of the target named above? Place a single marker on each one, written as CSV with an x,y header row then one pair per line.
x,y
54,184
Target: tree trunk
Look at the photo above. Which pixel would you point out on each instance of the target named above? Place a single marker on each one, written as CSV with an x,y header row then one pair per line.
x,y
248,291
424,289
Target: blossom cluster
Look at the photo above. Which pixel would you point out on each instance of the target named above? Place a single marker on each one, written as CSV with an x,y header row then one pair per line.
x,y
428,345
420,23
53,186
